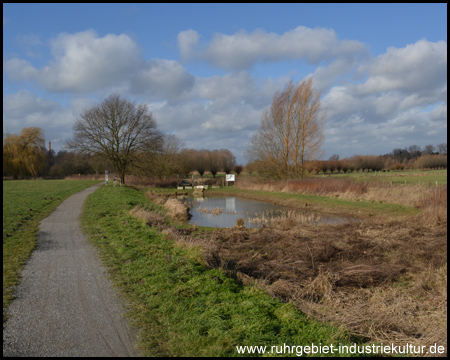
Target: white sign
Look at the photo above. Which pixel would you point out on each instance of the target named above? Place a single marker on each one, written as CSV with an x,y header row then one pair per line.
x,y
229,177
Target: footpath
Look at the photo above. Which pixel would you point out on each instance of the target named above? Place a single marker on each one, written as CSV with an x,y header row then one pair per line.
x,y
65,305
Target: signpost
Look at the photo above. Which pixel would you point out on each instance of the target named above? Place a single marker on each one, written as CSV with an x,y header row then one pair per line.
x,y
229,177
106,177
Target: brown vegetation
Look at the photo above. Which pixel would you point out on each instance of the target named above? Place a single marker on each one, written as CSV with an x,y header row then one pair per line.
x,y
411,195
384,280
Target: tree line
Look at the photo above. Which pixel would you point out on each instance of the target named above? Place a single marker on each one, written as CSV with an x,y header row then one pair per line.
x,y
122,137
376,163
160,156
25,156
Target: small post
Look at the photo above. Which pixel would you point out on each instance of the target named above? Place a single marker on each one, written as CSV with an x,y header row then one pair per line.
x,y
115,181
106,177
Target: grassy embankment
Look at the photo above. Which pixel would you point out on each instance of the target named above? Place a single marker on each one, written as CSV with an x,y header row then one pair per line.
x,y
181,304
25,204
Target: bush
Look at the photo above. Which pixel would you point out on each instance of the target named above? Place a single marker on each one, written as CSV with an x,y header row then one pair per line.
x,y
397,166
431,162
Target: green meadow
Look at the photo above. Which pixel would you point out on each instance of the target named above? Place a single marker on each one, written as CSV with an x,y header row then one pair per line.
x,y
25,204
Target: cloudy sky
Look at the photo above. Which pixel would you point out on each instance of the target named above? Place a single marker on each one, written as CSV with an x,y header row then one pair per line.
x,y
207,71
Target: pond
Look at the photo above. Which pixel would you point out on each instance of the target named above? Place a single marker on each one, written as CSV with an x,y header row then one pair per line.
x,y
224,211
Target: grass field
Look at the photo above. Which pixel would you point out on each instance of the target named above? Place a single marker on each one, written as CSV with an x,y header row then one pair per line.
x,y
182,306
25,204
411,177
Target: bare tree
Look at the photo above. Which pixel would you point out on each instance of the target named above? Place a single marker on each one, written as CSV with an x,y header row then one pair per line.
x,y
238,169
442,148
118,130
201,161
291,131
428,150
228,160
334,157
164,163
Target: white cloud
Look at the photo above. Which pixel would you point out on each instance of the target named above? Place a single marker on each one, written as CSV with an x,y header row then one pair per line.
x,y
187,43
163,79
24,109
83,62
417,67
20,70
242,49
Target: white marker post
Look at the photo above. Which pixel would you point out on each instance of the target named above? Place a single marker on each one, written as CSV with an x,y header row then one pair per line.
x,y
106,177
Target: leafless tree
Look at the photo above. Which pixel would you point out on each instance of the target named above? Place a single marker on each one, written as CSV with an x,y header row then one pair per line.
x,y
118,130
164,163
291,131
214,164
428,149
238,169
442,148
228,160
201,161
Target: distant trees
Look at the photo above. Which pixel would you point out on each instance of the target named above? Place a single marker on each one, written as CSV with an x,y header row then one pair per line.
x,y
118,130
212,161
442,148
290,134
431,162
164,163
24,155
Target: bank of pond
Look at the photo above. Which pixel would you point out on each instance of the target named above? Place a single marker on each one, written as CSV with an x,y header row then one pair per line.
x,y
228,211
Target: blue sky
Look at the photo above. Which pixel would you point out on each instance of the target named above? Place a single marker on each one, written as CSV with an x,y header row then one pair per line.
x,y
208,71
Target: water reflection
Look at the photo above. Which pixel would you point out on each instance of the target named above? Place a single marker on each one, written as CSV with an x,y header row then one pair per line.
x,y
223,211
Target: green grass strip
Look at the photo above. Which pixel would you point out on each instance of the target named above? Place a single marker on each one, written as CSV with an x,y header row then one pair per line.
x,y
181,307
25,204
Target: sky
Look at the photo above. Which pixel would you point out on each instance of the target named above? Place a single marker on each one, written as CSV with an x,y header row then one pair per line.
x,y
207,72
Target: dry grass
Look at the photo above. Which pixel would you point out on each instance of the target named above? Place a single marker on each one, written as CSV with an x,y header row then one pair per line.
x,y
151,218
177,210
384,280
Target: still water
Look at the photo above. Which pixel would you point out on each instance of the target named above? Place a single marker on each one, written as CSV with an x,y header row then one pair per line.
x,y
223,212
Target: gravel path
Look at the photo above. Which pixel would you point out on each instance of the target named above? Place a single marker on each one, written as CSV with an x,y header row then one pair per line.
x,y
65,305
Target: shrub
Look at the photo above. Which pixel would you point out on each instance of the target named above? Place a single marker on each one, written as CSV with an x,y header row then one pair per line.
x,y
431,162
